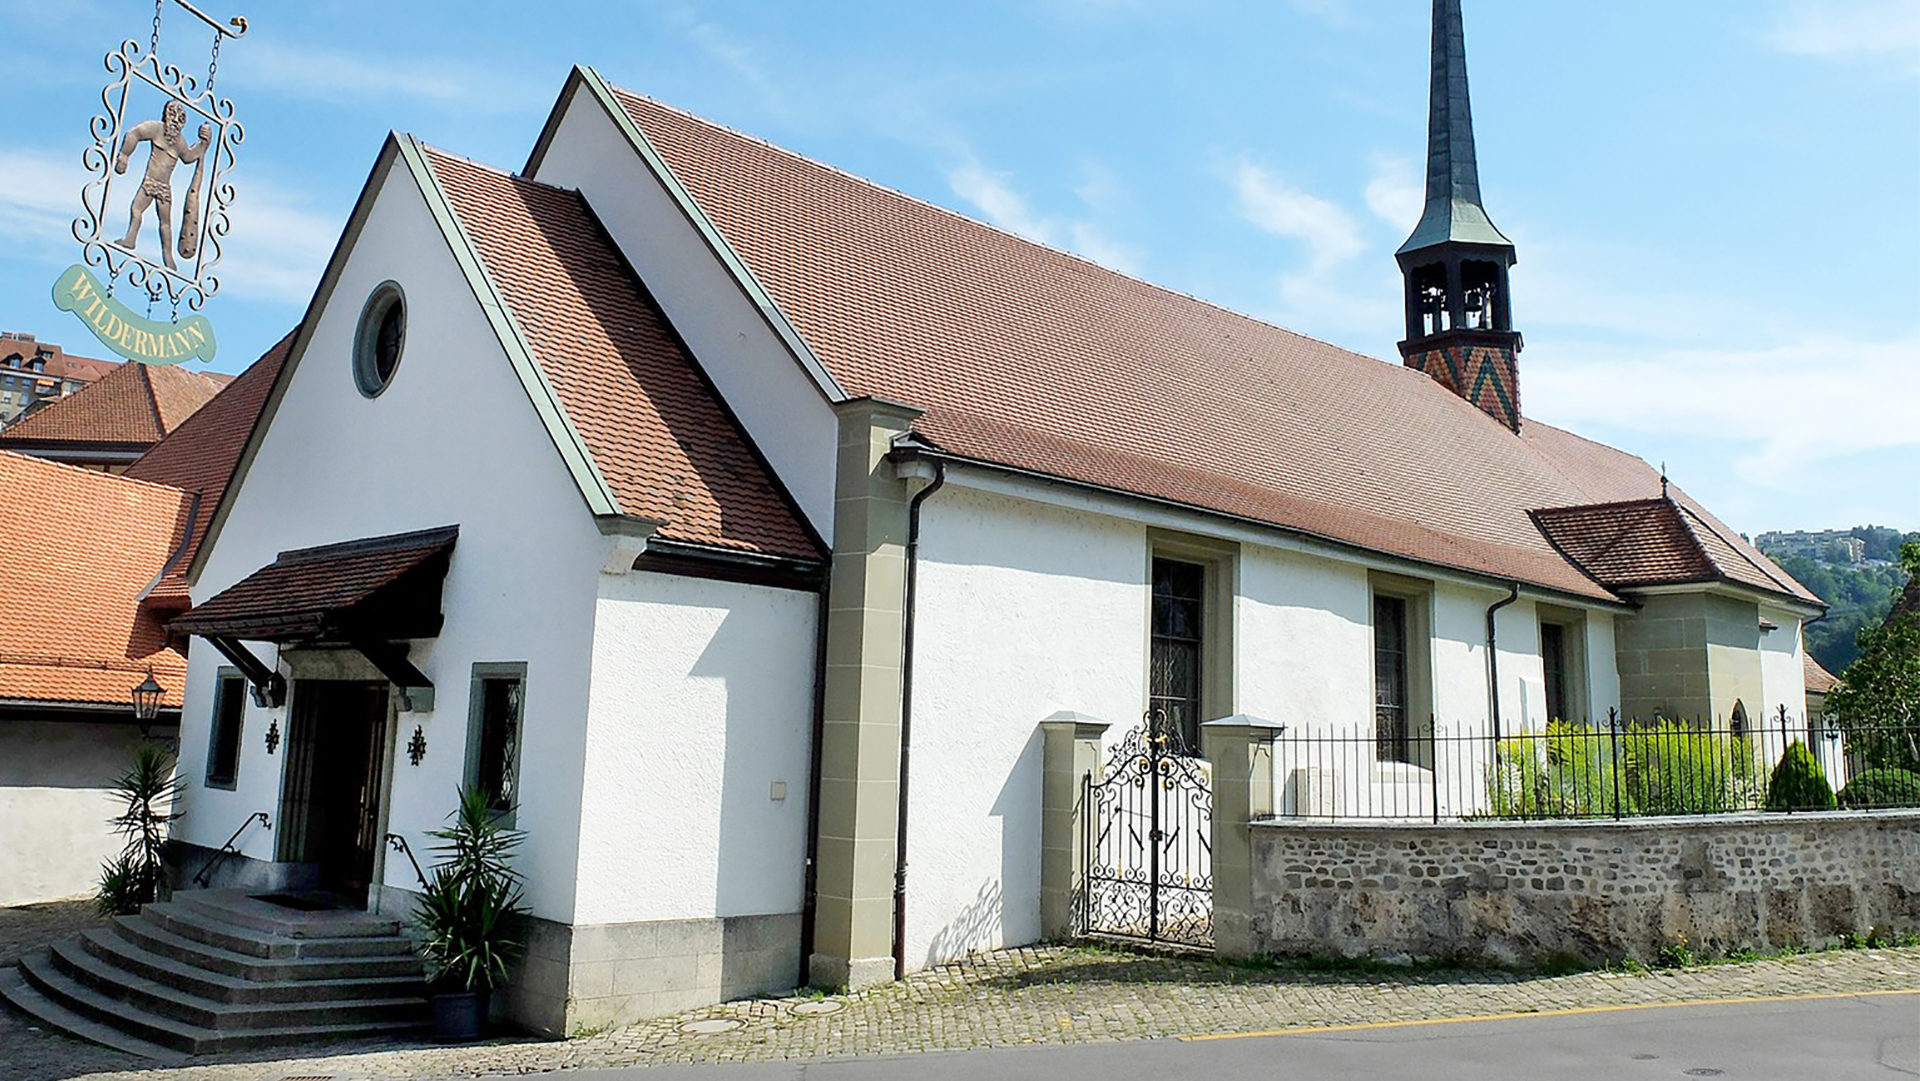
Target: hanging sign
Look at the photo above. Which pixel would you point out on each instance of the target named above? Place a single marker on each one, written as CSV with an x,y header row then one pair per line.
x,y
172,241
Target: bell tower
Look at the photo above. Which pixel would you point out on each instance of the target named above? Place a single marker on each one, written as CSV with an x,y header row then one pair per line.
x,y
1459,313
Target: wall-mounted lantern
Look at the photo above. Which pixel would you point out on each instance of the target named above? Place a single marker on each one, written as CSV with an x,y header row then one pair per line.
x,y
146,703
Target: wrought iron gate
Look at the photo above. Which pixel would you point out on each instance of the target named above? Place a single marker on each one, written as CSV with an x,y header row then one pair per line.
x,y
1148,821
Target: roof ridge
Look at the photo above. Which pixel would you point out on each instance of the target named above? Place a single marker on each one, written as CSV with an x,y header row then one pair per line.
x,y
1688,512
1029,241
1614,505
489,167
94,476
153,401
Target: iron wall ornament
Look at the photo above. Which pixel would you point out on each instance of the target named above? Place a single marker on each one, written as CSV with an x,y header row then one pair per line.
x,y
417,746
273,735
171,258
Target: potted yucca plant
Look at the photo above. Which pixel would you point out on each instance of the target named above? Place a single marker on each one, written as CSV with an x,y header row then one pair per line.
x,y
470,916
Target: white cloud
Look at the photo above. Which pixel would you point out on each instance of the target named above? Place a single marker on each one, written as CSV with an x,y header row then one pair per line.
x,y
992,194
275,252
40,199
1779,408
1888,29
314,73
720,44
1396,193
1330,234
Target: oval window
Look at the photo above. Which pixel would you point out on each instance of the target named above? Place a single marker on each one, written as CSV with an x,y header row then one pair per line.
x,y
380,338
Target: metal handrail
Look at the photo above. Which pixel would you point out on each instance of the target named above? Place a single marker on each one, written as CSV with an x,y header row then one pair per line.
x,y
399,844
206,873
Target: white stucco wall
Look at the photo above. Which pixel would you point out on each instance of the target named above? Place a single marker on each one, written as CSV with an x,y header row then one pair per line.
x,y
1028,606
1783,674
54,806
698,750
780,406
1303,622
453,440
1024,610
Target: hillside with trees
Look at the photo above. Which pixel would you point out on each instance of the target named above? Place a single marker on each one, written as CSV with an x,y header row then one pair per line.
x,y
1859,595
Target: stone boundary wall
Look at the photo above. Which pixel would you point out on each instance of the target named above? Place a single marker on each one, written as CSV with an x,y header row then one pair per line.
x,y
1596,891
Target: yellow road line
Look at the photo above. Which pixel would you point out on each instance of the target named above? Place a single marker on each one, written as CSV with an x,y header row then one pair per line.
x,y
1574,1011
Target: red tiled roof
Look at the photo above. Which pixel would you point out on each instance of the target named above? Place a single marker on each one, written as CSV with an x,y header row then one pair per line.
x,y
310,591
80,369
656,431
81,546
1029,357
133,404
1660,541
200,455
1819,680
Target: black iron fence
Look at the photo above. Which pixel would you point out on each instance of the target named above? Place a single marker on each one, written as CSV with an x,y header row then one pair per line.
x,y
1609,768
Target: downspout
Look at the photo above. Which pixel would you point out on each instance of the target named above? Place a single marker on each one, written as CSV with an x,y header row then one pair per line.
x,y
906,721
1493,658
811,890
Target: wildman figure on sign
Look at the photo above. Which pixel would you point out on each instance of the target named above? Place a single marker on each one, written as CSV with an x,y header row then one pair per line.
x,y
169,148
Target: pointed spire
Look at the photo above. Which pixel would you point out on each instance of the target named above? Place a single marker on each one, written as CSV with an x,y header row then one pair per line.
x,y
1453,213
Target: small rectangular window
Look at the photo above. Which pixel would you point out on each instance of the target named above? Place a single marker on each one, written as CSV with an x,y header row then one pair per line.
x,y
223,743
494,750
1553,666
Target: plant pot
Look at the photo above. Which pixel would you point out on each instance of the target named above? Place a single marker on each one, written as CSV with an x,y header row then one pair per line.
x,y
459,1016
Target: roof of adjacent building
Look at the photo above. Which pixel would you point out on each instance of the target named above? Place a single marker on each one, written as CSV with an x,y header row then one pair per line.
x,y
82,546
1659,541
1819,680
656,430
133,405
200,455
1027,357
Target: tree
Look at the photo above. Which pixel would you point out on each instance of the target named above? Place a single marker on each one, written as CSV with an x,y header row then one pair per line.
x,y
1878,698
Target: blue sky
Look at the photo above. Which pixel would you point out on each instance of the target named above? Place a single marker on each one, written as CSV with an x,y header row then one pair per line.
x,y
1714,201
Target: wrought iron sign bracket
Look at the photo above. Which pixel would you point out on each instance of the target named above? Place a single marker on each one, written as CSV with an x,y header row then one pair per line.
x,y
416,690
269,686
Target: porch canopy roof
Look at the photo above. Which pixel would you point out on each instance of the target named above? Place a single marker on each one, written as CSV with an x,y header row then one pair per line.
x,y
374,589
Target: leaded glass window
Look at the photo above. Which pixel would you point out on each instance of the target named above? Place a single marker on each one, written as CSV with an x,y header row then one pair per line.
x,y
1390,679
1178,626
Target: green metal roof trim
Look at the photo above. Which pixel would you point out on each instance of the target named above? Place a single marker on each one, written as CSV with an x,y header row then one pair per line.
x,y
553,416
1453,212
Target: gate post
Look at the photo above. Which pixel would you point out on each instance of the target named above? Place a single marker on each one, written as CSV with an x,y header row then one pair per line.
x,y
1240,752
1070,754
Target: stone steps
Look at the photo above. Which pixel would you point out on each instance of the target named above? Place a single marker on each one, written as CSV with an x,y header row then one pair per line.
x,y
221,971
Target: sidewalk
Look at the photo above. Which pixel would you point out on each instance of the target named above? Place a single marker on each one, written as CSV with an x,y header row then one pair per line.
x,y
1042,995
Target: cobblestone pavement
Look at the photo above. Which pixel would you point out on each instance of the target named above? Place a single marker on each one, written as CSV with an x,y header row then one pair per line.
x,y
1050,994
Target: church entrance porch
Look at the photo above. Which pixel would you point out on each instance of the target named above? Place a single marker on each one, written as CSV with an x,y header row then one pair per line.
x,y
332,794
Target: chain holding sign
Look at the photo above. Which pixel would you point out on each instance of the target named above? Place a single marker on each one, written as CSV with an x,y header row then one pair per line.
x,y
158,256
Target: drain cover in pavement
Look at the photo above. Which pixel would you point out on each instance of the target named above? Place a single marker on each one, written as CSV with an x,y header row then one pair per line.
x,y
819,1006
709,1027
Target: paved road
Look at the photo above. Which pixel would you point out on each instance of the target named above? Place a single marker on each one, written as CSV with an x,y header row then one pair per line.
x,y
1823,1039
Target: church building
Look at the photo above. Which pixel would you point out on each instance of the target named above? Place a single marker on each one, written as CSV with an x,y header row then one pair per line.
x,y
734,523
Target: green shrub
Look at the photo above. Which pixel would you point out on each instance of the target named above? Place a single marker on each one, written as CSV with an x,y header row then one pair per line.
x,y
1568,774
1674,768
1882,788
1799,784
